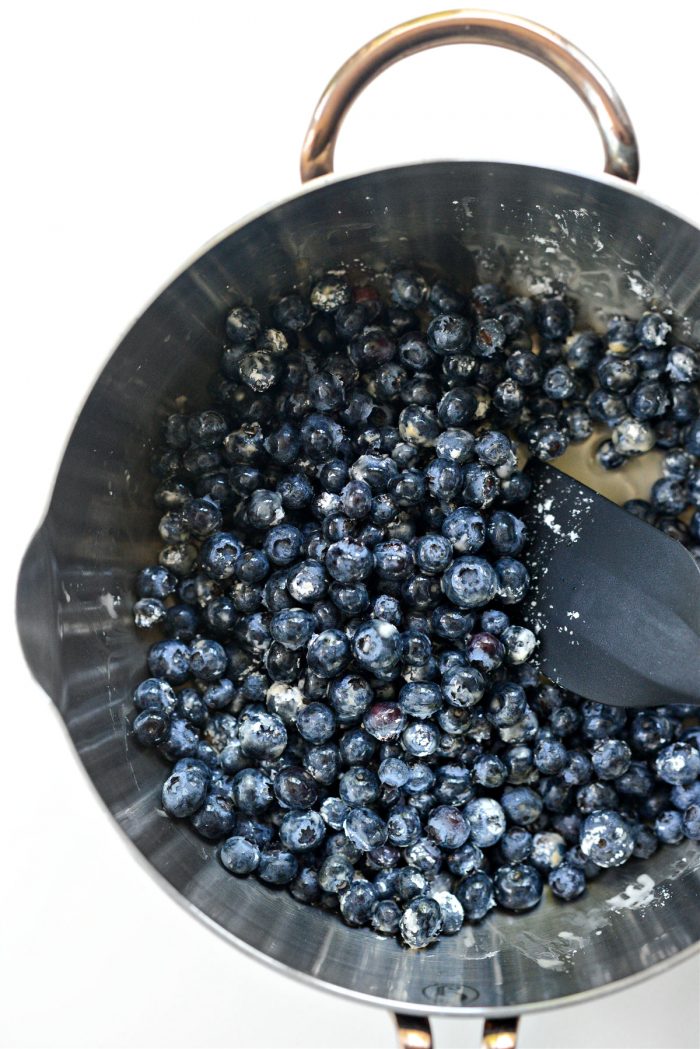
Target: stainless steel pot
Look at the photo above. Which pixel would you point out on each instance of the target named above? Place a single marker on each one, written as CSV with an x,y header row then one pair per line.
x,y
613,247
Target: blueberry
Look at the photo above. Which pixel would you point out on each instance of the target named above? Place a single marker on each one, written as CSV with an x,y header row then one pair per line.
x,y
444,479
333,812
486,820
451,623
403,827
252,791
447,827
239,856
506,533
365,828
408,289
302,831
636,781
155,694
554,320
359,786
466,530
148,612
678,763
470,582
455,446
185,789
683,364
610,758
215,818
457,406
291,313
463,687
420,699
242,324
417,648
485,652
466,861
316,723
217,696
350,697
668,827
596,796
305,887
691,821
476,895
512,580
170,660
372,347
520,643
489,338
327,654
507,704
295,788
421,922
522,805
606,838
548,851
652,329
356,747
449,333
151,727
394,772
306,582
567,881
517,887
335,874
385,916
489,771
349,561
645,842
550,756
418,426
292,627
516,845
208,659
357,903
420,739
377,646
277,866
384,721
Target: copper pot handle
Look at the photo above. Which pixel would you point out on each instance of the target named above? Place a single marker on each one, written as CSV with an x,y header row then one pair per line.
x,y
414,1032
472,27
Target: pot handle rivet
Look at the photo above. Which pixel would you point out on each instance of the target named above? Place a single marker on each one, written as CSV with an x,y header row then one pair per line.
x,y
472,27
413,1032
500,1034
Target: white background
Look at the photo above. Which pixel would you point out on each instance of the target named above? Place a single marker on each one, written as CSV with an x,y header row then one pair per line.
x,y
132,132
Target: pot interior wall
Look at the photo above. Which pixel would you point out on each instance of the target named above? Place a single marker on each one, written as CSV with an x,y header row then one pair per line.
x,y
616,251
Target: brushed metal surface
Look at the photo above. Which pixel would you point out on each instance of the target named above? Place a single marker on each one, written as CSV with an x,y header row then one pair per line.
x,y
75,590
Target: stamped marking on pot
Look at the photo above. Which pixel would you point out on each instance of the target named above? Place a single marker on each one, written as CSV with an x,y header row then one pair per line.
x,y
450,993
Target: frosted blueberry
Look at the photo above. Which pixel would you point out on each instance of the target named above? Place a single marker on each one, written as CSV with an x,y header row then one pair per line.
x,y
486,820
606,838
421,922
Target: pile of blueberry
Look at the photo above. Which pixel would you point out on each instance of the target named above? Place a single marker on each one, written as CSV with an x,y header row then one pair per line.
x,y
345,693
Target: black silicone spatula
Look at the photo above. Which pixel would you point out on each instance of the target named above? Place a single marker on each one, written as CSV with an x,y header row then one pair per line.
x,y
614,602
